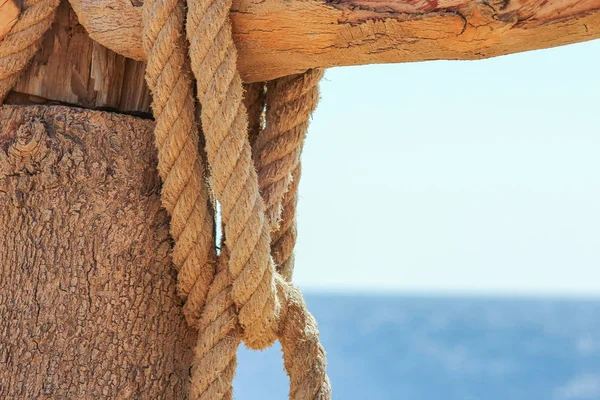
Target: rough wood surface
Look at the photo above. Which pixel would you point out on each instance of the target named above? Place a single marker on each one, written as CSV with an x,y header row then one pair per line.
x,y
281,37
71,68
87,290
9,13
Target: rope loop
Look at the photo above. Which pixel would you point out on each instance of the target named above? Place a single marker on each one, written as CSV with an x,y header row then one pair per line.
x,y
253,143
266,305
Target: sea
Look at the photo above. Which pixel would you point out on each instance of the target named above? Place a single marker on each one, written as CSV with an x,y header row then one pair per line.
x,y
393,347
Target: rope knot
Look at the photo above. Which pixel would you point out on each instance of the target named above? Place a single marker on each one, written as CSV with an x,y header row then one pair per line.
x,y
255,186
244,293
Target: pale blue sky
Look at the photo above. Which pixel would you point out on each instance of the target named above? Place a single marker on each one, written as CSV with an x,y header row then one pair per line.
x,y
475,176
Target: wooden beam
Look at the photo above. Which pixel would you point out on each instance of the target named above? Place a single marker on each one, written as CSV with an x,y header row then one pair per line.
x,y
9,14
71,68
281,37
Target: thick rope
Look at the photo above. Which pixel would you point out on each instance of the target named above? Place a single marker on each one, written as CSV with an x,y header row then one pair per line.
x,y
215,361
184,193
215,355
247,233
24,40
303,356
290,102
234,180
283,240
246,299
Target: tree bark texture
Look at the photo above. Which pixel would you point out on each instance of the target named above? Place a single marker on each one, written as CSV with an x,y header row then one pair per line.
x,y
87,290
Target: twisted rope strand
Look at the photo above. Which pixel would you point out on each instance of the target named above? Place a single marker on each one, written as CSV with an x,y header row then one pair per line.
x,y
247,232
184,193
214,363
24,40
290,102
246,299
283,240
304,357
243,301
254,101
234,180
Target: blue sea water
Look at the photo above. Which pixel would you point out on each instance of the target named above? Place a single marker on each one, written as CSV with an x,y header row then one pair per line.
x,y
418,348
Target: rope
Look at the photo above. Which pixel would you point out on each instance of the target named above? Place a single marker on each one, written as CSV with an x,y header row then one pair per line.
x,y
304,357
184,192
24,40
262,297
290,102
254,101
283,240
215,361
239,295
233,180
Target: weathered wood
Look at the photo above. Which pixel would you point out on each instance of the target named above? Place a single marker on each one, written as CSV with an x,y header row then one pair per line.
x,y
281,37
9,14
88,299
71,68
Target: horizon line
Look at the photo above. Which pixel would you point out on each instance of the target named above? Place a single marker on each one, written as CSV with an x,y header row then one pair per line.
x,y
448,293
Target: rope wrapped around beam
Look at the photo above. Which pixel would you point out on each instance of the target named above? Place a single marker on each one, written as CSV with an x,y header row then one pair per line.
x,y
244,293
268,306
24,40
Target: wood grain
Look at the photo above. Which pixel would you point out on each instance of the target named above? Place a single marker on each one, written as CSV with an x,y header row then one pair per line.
x,y
73,69
281,37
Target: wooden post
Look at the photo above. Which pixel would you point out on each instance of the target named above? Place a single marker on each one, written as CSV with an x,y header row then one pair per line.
x,y
88,305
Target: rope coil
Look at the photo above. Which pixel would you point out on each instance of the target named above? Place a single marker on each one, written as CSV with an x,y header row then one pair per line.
x,y
24,40
253,156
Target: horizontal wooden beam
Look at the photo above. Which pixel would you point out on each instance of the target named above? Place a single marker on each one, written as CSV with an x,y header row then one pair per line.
x,y
282,37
